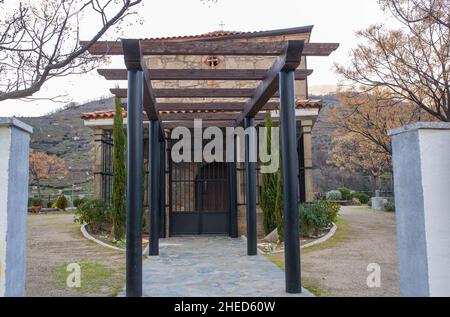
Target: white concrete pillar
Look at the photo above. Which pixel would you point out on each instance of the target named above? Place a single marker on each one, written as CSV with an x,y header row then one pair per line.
x,y
306,129
14,151
421,157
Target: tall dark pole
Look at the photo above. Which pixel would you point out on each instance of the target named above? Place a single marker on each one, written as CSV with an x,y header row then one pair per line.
x,y
154,199
250,169
290,191
135,163
232,195
162,188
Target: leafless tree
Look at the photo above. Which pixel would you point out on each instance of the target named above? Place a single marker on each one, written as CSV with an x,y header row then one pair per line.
x,y
413,62
39,40
413,11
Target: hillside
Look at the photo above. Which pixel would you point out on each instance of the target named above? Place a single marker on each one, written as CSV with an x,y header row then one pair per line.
x,y
62,133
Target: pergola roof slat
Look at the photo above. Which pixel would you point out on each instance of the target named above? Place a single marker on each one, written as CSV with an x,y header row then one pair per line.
x,y
207,116
224,47
194,92
289,60
199,74
208,106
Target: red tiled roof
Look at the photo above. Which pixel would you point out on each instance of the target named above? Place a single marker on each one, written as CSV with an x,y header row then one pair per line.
x,y
109,114
233,34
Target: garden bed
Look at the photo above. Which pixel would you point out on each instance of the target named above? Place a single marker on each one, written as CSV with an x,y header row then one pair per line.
x,y
105,238
324,234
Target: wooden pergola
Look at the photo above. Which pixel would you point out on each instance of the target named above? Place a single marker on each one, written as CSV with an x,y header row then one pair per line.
x,y
276,82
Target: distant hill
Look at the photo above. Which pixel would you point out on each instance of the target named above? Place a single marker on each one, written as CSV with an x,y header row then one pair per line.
x,y
62,133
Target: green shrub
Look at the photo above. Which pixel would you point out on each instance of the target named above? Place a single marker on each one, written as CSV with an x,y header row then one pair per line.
x,y
34,202
317,216
50,204
333,210
61,202
333,195
93,212
78,201
345,193
363,198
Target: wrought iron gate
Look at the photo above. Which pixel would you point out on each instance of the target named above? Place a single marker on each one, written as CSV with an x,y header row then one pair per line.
x,y
198,198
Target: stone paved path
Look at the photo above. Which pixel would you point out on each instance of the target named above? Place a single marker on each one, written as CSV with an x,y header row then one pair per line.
x,y
210,266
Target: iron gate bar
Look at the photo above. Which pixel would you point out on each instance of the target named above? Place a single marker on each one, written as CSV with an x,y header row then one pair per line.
x,y
290,191
154,192
135,162
250,168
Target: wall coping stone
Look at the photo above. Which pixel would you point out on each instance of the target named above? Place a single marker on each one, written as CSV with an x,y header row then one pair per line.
x,y
420,126
13,122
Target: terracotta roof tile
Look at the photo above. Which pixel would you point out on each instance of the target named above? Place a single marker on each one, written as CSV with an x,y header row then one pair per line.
x,y
109,114
232,34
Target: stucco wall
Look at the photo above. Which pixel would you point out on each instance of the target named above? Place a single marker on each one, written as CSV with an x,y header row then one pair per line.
x,y
422,180
14,149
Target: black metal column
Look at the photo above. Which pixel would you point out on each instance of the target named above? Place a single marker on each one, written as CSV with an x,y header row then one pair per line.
x,y
232,197
290,191
162,189
154,181
135,162
250,169
301,170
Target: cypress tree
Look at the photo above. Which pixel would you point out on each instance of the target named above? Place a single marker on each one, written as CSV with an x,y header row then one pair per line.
x,y
269,185
119,176
279,195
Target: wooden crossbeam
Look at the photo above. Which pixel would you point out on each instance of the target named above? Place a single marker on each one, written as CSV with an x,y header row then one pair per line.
x,y
207,116
289,60
205,124
203,106
134,60
151,47
199,74
194,92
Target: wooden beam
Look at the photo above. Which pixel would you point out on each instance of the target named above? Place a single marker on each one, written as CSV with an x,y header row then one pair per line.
x,y
204,106
151,47
134,60
205,124
199,74
205,116
194,92
290,59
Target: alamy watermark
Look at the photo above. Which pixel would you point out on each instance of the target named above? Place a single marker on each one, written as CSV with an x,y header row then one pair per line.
x,y
374,278
231,148
73,279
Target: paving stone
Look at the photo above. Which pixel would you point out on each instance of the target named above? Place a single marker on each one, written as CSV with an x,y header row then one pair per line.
x,y
211,267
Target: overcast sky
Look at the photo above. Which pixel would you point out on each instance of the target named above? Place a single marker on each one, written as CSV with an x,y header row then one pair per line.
x,y
334,21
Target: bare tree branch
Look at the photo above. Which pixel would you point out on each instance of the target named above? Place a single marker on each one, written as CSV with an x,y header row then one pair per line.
x,y
39,41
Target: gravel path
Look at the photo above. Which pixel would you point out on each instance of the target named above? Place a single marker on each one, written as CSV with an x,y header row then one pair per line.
x,y
340,268
54,240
